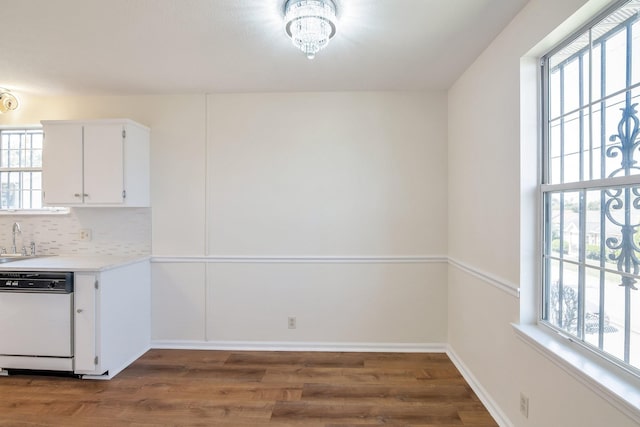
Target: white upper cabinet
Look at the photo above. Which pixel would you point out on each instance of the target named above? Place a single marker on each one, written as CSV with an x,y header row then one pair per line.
x,y
95,163
62,164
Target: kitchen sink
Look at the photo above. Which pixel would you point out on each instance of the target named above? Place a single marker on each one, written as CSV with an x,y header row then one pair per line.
x,y
17,257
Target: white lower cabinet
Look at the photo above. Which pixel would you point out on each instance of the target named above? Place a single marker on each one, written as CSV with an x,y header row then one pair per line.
x,y
112,319
86,357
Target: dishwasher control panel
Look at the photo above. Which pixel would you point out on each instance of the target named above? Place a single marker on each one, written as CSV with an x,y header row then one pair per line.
x,y
36,281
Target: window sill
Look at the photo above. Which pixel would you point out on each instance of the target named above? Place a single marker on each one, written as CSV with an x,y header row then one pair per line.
x,y
619,388
34,212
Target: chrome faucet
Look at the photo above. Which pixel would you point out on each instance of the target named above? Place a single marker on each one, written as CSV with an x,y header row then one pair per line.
x,y
15,230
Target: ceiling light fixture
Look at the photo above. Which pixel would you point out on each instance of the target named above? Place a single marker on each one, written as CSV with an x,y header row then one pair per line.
x,y
8,101
310,24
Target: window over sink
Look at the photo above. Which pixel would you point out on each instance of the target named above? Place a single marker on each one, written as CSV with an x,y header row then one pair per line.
x,y
21,171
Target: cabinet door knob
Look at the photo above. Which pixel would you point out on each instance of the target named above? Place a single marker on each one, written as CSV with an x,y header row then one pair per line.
x,y
85,195
79,310
76,195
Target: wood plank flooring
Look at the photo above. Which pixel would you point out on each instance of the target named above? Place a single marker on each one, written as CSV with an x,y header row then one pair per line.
x,y
204,388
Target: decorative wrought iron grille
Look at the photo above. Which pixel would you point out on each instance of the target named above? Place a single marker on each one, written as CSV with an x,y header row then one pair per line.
x,y
591,186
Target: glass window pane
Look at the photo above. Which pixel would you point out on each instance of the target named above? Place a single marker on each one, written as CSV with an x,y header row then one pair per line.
x,y
4,189
36,180
36,158
614,314
595,253
572,167
36,140
555,226
554,271
589,169
572,138
26,199
596,72
555,152
635,53
598,139
572,93
563,299
571,225
594,324
4,158
576,77
616,63
634,321
36,199
26,180
14,190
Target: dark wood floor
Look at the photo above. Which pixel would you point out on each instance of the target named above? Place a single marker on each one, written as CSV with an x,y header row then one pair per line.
x,y
203,388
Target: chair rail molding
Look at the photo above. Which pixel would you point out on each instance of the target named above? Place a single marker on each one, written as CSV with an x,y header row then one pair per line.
x,y
496,282
304,259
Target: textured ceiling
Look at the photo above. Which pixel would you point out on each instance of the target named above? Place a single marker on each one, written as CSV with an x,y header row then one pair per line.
x,y
196,46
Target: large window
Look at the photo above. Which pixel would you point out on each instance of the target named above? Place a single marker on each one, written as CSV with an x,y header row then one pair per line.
x,y
591,187
21,169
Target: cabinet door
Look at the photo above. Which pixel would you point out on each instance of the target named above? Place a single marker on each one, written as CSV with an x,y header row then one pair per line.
x,y
103,164
62,165
86,321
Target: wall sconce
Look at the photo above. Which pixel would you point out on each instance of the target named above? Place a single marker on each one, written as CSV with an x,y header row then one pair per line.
x,y
8,101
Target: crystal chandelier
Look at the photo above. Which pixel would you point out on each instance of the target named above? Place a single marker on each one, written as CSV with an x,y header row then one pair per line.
x,y
310,24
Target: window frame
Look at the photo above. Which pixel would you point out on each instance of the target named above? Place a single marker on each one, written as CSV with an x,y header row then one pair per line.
x,y
584,185
44,210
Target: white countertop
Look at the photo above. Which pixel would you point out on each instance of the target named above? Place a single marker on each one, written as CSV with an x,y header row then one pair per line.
x,y
72,263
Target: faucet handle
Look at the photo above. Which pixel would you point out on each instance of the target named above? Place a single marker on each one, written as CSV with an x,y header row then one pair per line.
x,y
3,251
24,251
33,248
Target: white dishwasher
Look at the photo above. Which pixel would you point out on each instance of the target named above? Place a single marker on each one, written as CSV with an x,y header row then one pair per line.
x,y
36,321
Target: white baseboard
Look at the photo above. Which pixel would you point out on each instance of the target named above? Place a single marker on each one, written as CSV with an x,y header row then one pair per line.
x,y
493,408
302,346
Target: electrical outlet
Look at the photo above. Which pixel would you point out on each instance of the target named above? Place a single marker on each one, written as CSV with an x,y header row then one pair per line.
x,y
85,234
291,322
524,405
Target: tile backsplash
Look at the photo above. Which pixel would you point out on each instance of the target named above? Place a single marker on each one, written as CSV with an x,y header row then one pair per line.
x,y
114,231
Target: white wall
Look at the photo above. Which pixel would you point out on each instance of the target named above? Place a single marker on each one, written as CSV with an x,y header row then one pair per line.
x,y
327,174
341,305
345,193
343,175
493,238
